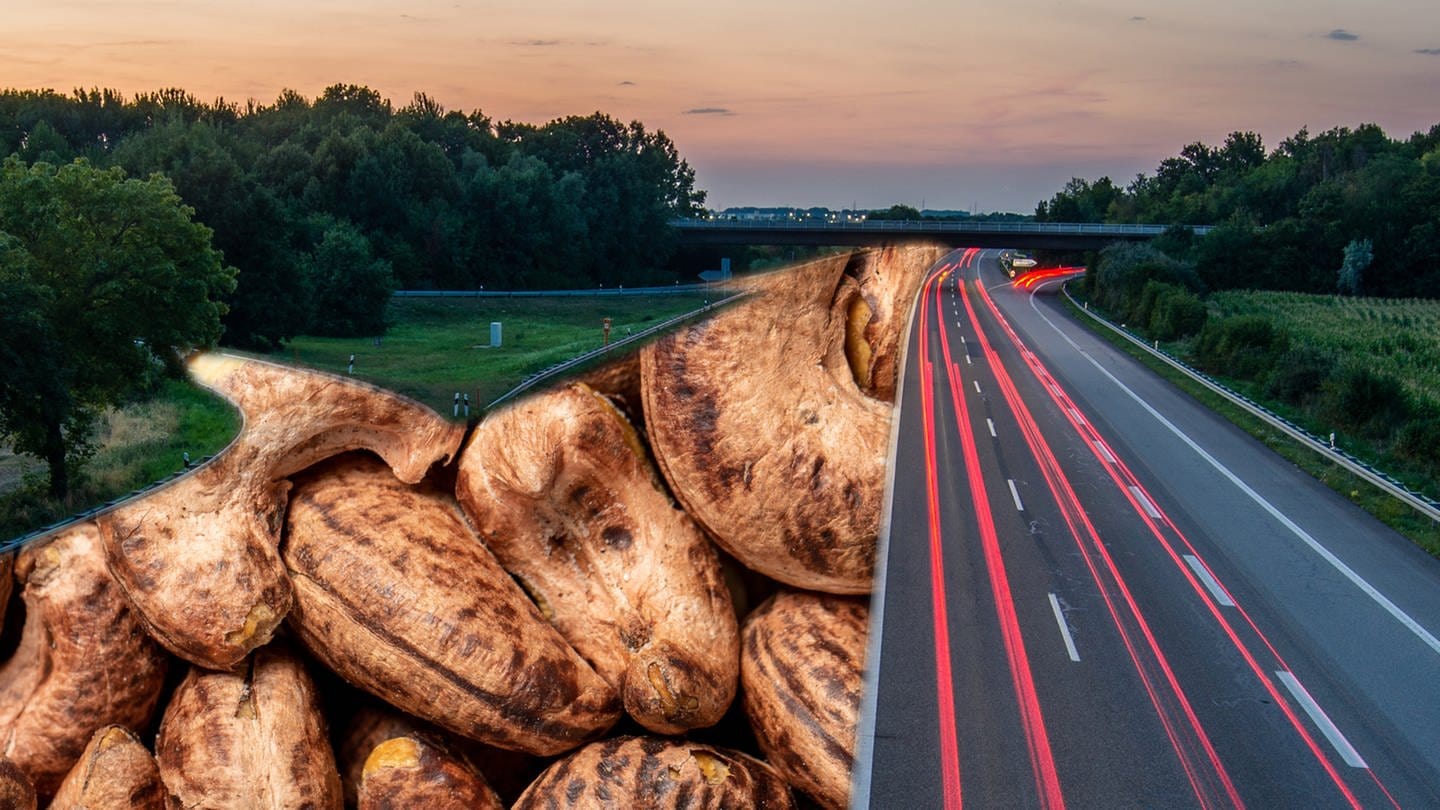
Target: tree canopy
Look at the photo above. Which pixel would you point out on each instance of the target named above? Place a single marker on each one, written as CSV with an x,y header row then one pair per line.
x,y
1287,216
104,282
440,199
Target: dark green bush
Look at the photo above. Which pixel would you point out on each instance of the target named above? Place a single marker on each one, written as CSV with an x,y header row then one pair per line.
x,y
1177,313
1299,375
1245,347
1358,399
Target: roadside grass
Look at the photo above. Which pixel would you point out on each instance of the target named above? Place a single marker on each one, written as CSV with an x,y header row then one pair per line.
x,y
436,347
138,444
1421,530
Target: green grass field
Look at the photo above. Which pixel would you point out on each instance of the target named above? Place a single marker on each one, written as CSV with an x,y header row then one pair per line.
x,y
138,444
437,346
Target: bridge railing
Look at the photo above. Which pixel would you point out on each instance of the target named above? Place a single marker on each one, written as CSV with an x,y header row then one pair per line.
x,y
933,226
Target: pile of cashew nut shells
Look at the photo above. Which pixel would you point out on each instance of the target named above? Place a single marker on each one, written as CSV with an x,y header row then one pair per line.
x,y
645,587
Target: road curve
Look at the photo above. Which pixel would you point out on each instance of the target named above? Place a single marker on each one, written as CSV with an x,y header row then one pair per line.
x,y
1095,592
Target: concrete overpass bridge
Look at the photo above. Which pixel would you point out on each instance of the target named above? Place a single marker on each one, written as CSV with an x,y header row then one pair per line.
x,y
954,233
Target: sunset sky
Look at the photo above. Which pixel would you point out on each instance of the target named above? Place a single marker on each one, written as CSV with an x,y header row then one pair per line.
x,y
952,104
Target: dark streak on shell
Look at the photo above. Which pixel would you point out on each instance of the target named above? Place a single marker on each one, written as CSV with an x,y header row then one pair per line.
x,y
656,774
801,667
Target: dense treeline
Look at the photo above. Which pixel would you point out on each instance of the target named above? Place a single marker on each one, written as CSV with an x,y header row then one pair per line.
x,y
1286,217
325,206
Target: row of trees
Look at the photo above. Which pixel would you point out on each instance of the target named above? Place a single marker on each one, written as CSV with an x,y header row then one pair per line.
x,y
325,206
1286,217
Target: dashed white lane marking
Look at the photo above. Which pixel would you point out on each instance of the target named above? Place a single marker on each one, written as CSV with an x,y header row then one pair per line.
x,y
1145,502
977,383
1405,619
1209,579
1104,452
1076,414
1015,493
990,424
1064,628
1342,746
967,361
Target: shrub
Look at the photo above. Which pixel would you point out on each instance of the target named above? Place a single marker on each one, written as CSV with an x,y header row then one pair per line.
x,y
1361,400
1299,375
1241,346
1177,313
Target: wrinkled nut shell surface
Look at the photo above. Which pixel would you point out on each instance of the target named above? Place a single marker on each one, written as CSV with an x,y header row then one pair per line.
x,y
767,418
415,771
802,670
562,492
116,772
396,594
198,559
16,792
653,772
83,662
253,739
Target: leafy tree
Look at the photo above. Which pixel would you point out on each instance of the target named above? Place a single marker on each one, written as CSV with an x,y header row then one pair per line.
x,y
351,286
107,281
1357,257
1080,201
897,212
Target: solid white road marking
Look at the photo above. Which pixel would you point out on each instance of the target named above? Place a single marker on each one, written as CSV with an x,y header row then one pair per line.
x,y
1064,628
1209,579
1145,502
1369,590
1015,493
1342,746
990,424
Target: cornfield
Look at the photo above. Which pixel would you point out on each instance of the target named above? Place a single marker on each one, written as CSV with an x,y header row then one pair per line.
x,y
1398,338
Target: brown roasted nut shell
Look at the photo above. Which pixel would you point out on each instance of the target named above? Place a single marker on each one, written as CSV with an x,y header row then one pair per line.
x,y
396,594
656,773
369,726
802,671
252,739
417,771
83,662
16,792
770,419
508,772
562,492
116,772
198,559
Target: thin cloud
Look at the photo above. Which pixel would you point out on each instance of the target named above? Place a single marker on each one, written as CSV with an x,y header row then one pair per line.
x,y
1138,18
627,83
1428,51
709,111
535,43
1341,35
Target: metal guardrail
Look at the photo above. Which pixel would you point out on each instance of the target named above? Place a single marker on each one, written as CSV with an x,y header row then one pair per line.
x,y
1410,497
934,226
575,362
674,289
119,501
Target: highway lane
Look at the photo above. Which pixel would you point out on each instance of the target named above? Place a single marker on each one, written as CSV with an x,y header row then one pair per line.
x,y
1075,612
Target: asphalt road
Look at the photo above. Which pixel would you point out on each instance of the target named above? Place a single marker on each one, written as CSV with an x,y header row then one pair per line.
x,y
1097,593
